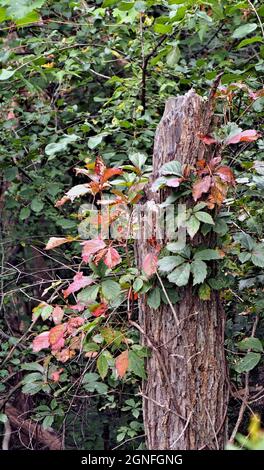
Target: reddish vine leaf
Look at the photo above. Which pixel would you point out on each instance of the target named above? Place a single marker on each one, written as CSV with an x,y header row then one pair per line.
x,y
207,139
65,354
79,281
201,186
121,363
226,174
57,314
173,182
246,136
150,263
41,342
55,376
91,247
73,324
56,337
62,201
100,310
218,193
55,241
112,258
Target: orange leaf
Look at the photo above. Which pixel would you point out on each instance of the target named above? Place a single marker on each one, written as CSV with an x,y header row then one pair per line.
x,y
56,337
226,174
121,363
109,172
207,139
100,310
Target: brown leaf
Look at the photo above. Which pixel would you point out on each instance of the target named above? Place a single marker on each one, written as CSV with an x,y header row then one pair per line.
x,y
121,363
207,139
201,186
109,172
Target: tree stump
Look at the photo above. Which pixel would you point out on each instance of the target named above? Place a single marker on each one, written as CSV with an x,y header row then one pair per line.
x,y
185,395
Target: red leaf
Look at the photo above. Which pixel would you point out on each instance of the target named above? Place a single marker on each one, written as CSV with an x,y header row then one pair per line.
x,y
91,247
79,281
246,136
112,258
150,263
100,310
74,324
226,174
207,139
41,342
121,363
55,376
62,201
57,314
201,186
109,172
55,241
56,337
78,307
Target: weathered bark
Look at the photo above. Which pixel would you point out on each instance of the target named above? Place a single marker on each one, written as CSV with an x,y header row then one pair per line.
x,y
185,395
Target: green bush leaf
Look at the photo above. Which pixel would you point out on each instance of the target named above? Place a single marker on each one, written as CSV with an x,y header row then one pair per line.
x,y
154,298
199,271
244,30
207,255
180,276
171,168
193,225
102,365
250,343
168,263
204,217
110,289
248,362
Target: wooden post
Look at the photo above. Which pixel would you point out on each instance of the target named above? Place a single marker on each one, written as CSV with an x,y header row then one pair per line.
x,y
185,395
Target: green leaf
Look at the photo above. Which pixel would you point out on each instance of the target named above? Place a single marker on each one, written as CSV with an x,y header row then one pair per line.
x,y
48,421
32,366
24,213
168,263
193,225
162,28
250,343
88,294
154,298
3,15
136,364
180,276
61,145
158,183
6,74
173,57
257,256
244,30
204,217
199,270
95,140
138,159
171,168
207,255
37,205
204,292
32,17
248,362
246,42
46,311
102,365
138,284
31,388
110,289
3,418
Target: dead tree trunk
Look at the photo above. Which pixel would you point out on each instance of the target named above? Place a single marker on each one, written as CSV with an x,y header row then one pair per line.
x,y
185,395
